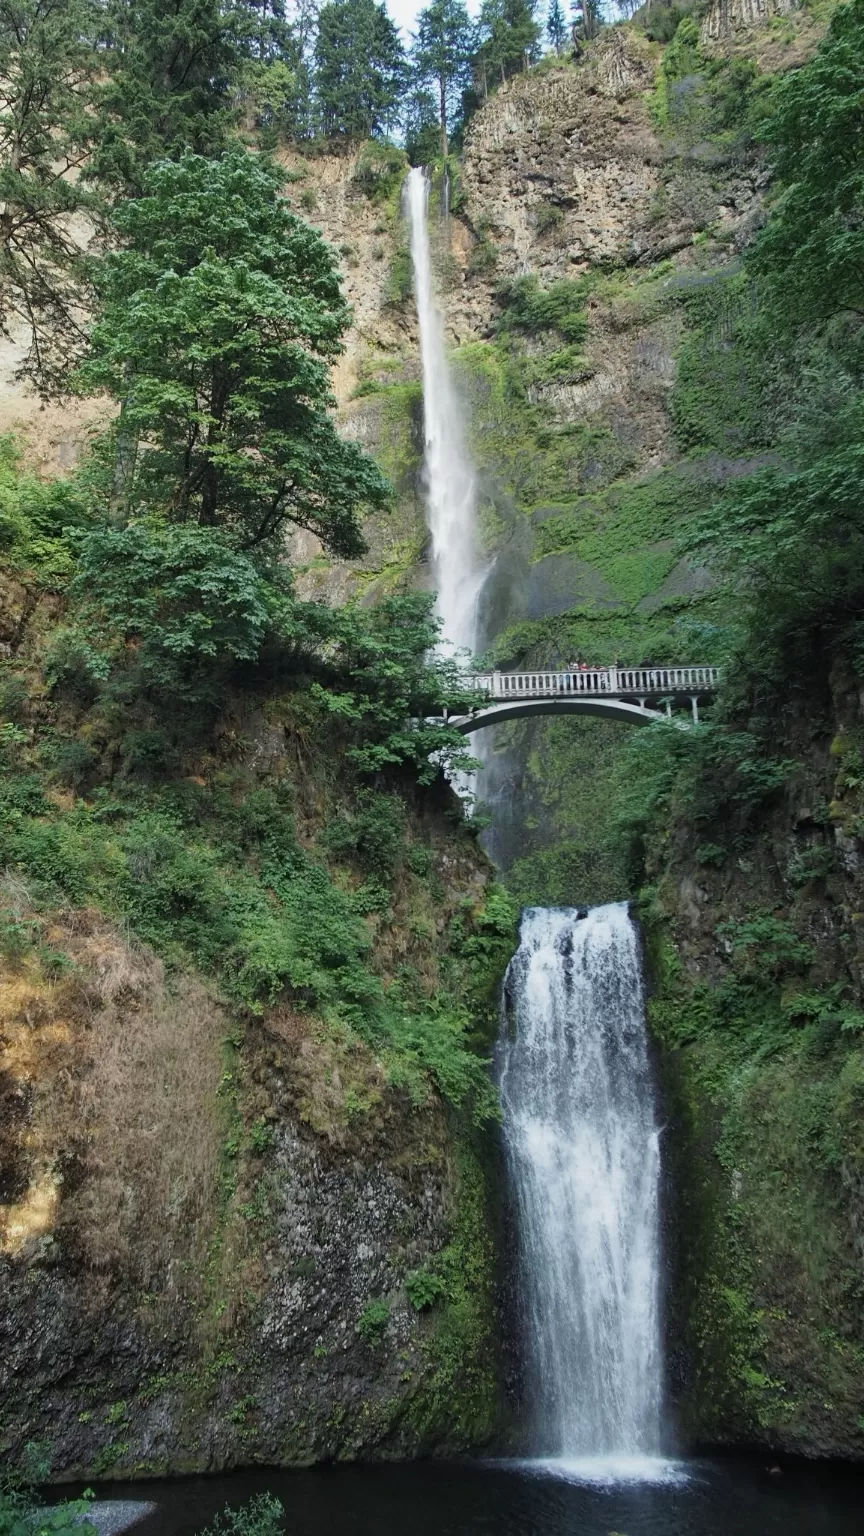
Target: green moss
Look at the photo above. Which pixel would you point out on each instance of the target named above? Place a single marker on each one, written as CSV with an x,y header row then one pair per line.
x,y
627,518
725,397
765,1111
519,445
457,1401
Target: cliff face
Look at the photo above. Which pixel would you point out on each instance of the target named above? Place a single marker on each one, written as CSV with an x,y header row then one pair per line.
x,y
754,938
234,1232
207,1228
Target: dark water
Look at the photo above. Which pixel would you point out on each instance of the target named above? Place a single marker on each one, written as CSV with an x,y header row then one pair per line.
x,y
718,1498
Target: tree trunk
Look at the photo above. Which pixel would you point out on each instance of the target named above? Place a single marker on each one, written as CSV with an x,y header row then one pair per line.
x,y
443,99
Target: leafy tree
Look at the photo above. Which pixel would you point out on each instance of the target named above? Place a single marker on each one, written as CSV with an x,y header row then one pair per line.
x,y
169,70
811,252
388,681
796,542
219,320
442,54
46,67
556,25
189,603
360,69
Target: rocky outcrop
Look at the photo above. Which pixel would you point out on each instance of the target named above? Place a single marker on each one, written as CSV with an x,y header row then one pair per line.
x,y
765,1102
726,17
562,166
207,1223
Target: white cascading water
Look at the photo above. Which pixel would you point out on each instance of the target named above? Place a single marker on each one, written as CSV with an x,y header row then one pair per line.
x,y
583,1150
450,486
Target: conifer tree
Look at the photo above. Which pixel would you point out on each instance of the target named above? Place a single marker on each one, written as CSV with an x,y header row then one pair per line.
x,y
360,69
276,73
556,26
587,18
47,62
441,55
169,70
509,38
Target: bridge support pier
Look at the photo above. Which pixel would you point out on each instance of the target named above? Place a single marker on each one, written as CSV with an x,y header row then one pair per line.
x,y
694,705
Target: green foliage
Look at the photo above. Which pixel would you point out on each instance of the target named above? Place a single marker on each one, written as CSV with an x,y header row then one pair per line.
x,y
697,96
217,878
183,597
373,1320
799,538
525,306
36,519
441,57
765,1082
770,364
710,776
556,26
811,252
375,833
21,1512
48,61
765,946
400,278
459,1392
508,38
262,1515
424,1287
483,259
539,462
165,86
380,170
220,317
389,686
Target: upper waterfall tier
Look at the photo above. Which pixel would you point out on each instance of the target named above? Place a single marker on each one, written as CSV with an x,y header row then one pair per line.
x,y
449,476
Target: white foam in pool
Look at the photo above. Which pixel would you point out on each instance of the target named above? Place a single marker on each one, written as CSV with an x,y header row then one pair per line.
x,y
605,1471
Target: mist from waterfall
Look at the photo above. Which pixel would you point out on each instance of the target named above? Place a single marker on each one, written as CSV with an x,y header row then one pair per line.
x,y
450,486
582,1145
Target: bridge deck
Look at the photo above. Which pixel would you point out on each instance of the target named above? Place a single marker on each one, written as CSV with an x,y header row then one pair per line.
x,y
618,693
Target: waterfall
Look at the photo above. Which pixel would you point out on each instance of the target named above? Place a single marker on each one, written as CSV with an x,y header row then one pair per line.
x,y
449,478
583,1150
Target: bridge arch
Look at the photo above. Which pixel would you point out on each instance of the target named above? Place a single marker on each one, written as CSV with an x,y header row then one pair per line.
x,y
608,709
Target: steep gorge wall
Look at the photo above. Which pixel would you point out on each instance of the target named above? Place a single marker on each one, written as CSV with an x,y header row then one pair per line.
x,y
211,1212
755,944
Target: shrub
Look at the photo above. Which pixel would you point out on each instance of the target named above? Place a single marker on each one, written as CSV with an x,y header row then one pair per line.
x,y
400,279
262,1516
373,1320
528,307
424,1288
380,169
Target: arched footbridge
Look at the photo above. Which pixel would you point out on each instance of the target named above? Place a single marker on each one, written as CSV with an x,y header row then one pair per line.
x,y
637,695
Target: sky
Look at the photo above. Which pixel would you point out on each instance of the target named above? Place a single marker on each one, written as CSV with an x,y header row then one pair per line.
x,y
404,13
